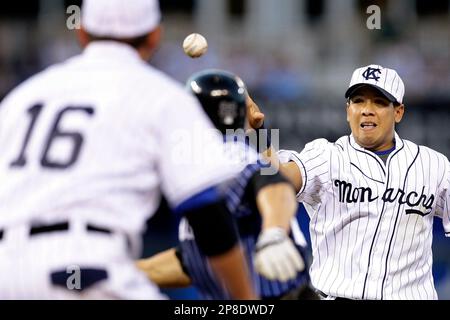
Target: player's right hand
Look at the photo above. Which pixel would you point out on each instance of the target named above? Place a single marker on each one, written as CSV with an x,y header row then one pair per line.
x,y
276,257
255,117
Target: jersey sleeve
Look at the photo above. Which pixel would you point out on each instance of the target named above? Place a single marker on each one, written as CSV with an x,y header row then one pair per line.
x,y
443,200
190,151
314,164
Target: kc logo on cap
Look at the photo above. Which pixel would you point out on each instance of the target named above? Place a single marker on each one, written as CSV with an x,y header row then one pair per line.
x,y
386,80
372,73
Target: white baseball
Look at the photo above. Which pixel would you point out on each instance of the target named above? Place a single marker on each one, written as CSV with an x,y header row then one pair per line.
x,y
195,45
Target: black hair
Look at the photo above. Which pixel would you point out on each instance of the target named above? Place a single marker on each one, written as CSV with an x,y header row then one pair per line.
x,y
135,42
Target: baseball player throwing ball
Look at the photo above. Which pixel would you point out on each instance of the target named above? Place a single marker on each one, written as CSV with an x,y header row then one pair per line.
x,y
87,145
371,197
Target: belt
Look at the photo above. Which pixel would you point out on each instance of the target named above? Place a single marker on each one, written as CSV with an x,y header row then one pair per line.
x,y
87,277
58,227
325,296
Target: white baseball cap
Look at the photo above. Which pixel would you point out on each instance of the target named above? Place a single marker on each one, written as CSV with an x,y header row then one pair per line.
x,y
386,80
120,18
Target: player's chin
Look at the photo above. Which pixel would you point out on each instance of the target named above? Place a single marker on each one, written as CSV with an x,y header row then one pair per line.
x,y
368,141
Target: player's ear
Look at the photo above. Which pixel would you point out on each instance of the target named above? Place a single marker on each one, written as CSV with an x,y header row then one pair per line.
x,y
399,111
348,110
83,37
152,43
154,37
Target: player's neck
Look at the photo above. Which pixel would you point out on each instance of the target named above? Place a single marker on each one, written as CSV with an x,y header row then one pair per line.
x,y
384,153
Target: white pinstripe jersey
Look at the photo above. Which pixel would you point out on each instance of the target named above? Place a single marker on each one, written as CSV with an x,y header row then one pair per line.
x,y
371,223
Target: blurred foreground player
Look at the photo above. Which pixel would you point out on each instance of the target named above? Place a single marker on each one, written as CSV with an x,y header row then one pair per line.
x,y
86,146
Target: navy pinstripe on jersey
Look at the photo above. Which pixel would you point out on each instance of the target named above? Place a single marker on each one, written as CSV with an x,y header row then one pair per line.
x,y
371,222
249,225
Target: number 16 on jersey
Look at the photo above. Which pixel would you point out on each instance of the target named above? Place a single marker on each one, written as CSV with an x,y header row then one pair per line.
x,y
54,134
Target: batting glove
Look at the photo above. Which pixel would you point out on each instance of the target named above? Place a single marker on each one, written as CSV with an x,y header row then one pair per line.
x,y
276,257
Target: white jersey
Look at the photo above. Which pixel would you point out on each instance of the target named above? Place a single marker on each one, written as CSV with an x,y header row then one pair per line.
x,y
96,139
371,222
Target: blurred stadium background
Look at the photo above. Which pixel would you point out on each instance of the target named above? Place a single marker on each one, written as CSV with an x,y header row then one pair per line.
x,y
296,57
